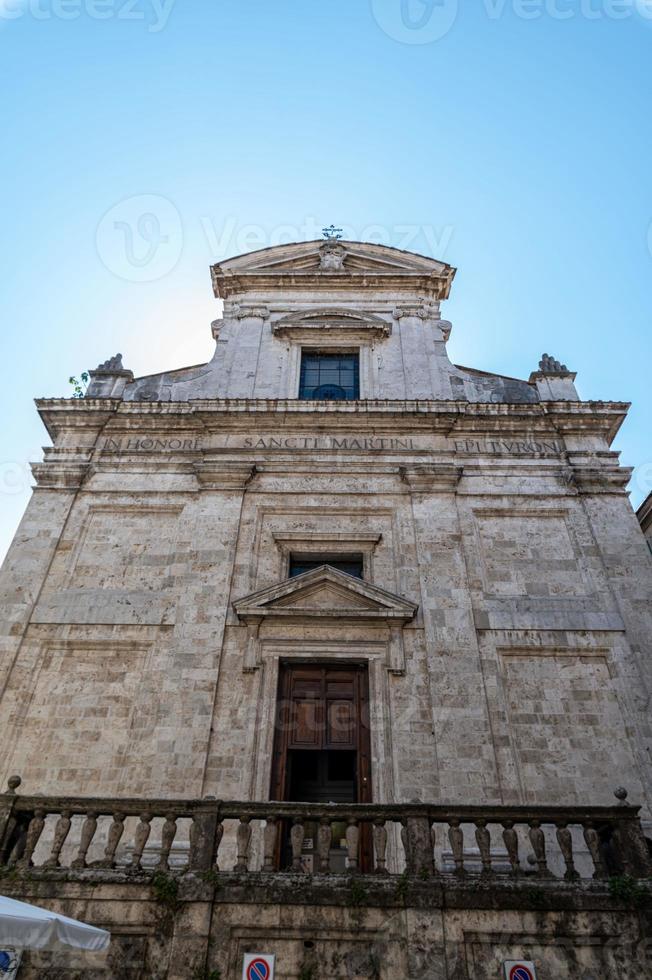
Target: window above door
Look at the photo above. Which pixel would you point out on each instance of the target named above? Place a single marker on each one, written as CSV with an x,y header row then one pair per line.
x,y
351,564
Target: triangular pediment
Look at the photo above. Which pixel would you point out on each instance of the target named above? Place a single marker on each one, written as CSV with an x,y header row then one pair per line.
x,y
332,318
302,261
325,592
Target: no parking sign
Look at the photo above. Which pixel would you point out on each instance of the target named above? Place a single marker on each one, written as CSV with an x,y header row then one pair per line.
x,y
520,970
258,966
9,963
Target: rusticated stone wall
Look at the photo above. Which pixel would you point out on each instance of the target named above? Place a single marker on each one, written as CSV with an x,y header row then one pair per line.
x,y
379,931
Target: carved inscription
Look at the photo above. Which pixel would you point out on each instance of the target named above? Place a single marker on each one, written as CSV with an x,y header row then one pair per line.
x,y
380,444
150,445
508,447
328,442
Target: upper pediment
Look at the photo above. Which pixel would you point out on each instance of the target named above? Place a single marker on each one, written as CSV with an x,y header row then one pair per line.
x,y
323,593
349,321
321,263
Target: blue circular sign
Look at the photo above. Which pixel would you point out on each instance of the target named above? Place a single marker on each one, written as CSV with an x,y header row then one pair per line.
x,y
520,973
7,961
258,970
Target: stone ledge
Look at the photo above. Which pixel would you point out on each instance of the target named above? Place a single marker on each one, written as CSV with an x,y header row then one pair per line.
x,y
529,893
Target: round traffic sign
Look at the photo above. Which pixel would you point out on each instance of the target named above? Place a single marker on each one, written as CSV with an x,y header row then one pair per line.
x,y
259,970
520,972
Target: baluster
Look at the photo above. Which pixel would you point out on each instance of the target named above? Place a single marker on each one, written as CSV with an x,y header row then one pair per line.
x,y
538,842
433,844
510,837
18,848
380,846
270,837
141,836
420,838
168,833
34,831
407,850
197,835
9,823
116,831
592,839
353,843
483,840
87,833
324,841
565,841
61,831
243,838
297,835
219,834
456,838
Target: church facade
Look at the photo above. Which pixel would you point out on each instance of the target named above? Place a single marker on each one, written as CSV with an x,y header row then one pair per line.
x,y
332,649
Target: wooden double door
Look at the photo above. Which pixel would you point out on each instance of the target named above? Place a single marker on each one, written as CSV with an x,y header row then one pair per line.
x,y
322,746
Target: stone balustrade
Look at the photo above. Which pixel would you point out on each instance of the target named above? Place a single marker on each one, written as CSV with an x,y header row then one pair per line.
x,y
426,841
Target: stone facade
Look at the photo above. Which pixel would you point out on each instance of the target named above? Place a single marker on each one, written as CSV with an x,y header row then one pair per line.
x,y
504,613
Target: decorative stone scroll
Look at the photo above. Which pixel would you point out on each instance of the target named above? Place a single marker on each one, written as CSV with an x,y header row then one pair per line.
x,y
251,313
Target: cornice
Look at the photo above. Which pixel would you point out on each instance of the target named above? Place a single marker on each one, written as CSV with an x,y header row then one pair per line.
x,y
331,320
59,476
432,478
298,598
433,285
217,474
595,479
58,414
458,417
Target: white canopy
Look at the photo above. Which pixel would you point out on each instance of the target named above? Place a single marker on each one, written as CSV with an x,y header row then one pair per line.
x,y
24,926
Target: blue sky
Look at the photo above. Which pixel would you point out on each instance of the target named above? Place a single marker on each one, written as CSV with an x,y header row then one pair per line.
x,y
510,138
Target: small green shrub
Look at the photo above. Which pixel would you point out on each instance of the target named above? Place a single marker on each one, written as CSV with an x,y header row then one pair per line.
x,y
166,890
80,385
358,895
629,890
402,886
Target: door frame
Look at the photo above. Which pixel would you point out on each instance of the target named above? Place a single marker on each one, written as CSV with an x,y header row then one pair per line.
x,y
385,777
279,773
